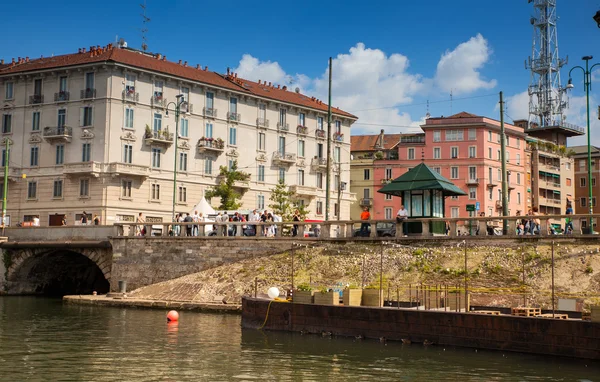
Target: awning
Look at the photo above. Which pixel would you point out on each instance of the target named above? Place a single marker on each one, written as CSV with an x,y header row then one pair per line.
x,y
421,177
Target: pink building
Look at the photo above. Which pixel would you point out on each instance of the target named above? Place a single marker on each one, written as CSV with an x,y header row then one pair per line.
x,y
465,149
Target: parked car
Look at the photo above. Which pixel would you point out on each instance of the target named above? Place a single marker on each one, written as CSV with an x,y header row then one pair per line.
x,y
383,230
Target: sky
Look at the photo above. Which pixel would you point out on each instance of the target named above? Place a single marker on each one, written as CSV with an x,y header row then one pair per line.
x,y
390,58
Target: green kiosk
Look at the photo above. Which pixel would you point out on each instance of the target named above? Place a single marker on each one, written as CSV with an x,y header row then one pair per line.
x,y
423,191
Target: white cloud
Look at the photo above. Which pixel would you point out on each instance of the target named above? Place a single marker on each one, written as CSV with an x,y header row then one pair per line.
x,y
517,106
458,70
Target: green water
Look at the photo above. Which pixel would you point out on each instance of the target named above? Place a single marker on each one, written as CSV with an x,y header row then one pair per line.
x,y
43,340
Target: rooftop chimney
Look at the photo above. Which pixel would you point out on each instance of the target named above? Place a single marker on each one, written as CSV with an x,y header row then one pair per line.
x,y
197,66
206,68
27,59
259,82
228,70
164,58
278,86
284,87
13,61
269,83
2,62
185,64
82,50
158,56
179,62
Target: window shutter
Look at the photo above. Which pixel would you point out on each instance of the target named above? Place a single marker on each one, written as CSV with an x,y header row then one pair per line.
x,y
91,116
81,115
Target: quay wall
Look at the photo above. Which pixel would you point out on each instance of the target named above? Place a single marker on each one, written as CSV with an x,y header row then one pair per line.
x,y
570,338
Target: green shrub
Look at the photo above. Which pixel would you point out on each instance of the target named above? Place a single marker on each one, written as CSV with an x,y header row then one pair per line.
x,y
304,287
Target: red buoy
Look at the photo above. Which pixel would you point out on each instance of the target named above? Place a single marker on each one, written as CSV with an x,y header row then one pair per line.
x,y
172,316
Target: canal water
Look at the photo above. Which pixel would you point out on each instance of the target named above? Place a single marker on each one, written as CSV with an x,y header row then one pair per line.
x,y
43,340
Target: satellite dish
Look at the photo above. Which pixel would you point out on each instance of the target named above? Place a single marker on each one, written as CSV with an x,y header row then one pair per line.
x,y
427,116
297,89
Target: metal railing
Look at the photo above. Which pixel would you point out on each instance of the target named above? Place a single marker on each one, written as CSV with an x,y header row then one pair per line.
x,y
234,117
211,144
320,134
35,99
338,137
284,157
88,93
158,101
283,126
302,130
210,112
58,131
262,122
131,96
61,96
159,136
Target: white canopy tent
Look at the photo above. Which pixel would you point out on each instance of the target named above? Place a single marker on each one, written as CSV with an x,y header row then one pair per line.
x,y
203,208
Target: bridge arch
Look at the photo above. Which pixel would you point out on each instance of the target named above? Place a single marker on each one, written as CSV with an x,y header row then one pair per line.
x,y
57,271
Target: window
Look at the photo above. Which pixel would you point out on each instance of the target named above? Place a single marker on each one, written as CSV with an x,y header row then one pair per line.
x,y
367,174
319,123
158,90
498,153
319,180
301,177
336,182
490,175
281,145
518,178
498,138
210,100
232,135
260,202
233,108
500,174
337,154
6,123
338,127
60,154
129,84
568,182
262,113
581,164
34,157
388,173
128,118
156,157
472,134
568,165
387,213
31,190
518,198
262,141
518,143
183,161
208,165
182,194
472,151
61,119
84,187
185,91
319,207
155,189
282,116
454,212
437,153
320,150
454,152
489,153
301,145
4,159
454,172
582,182
8,90
57,189
85,116
126,188
454,135
37,87
388,197
437,136
472,192
472,172
183,128
411,153
35,121
127,153
261,173
507,156
301,119
499,194
583,202
157,122
336,209
86,152
208,131
593,182
438,170
490,193
490,136
281,176
89,80
518,159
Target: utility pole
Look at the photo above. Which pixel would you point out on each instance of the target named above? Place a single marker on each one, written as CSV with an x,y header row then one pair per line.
x,y
339,195
5,189
327,196
504,174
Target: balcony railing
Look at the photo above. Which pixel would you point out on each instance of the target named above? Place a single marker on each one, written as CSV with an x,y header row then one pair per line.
x,y
158,137
128,169
286,158
131,96
412,139
318,163
320,134
366,202
338,137
62,133
210,112
209,144
498,204
262,122
61,96
472,181
303,190
88,93
234,117
283,126
36,99
82,168
302,130
158,100
492,184
386,181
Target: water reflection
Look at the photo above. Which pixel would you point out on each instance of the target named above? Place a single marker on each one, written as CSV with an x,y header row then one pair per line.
x,y
44,340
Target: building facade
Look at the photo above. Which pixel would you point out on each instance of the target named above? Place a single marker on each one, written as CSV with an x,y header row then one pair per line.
x,y
581,200
95,131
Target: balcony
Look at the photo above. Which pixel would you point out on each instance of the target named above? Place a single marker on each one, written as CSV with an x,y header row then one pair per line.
x,y
187,108
472,182
131,96
338,137
318,163
262,123
234,117
283,127
61,96
498,204
284,158
302,130
83,168
128,169
492,184
209,112
88,93
386,181
366,202
58,134
303,190
36,99
157,100
210,145
320,134
158,138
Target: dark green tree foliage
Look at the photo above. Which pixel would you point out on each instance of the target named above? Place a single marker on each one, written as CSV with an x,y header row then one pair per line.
x,y
285,202
226,189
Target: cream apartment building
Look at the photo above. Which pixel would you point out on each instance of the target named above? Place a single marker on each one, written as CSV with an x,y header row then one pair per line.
x,y
89,131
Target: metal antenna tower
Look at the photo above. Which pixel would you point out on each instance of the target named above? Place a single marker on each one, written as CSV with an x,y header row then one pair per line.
x,y
144,30
546,103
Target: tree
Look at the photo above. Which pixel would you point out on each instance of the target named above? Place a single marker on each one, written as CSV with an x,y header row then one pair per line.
x,y
226,190
285,202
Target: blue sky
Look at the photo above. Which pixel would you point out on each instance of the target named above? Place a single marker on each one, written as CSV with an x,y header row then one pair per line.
x,y
387,53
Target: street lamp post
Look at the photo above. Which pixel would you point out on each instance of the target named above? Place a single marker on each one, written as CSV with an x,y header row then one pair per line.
x,y
587,85
180,101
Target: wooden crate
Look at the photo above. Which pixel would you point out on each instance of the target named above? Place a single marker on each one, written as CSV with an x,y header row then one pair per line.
x,y
327,298
370,297
490,312
352,297
302,297
556,316
526,312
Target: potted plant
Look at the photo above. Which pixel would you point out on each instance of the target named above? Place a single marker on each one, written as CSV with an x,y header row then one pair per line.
x,y
352,295
370,296
326,297
303,294
166,133
148,132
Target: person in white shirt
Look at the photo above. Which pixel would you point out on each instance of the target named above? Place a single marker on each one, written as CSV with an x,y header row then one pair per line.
x,y
254,217
196,218
36,221
401,217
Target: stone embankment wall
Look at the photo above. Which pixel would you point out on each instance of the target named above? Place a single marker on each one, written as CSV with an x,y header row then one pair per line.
x,y
146,261
571,338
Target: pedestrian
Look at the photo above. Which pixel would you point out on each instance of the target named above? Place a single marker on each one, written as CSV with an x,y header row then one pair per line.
x,y
263,219
96,219
196,219
188,227
63,222
296,217
569,220
84,218
235,219
535,222
141,228
365,216
401,218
